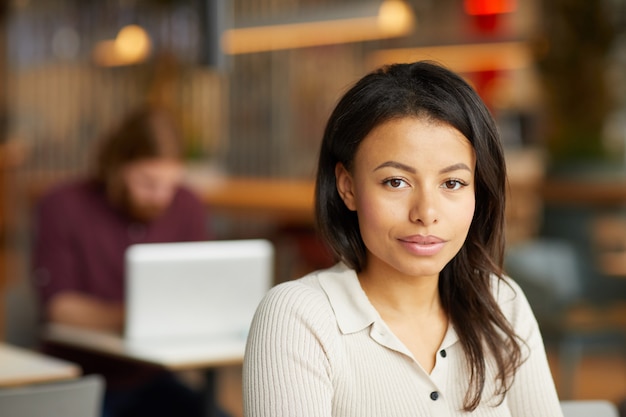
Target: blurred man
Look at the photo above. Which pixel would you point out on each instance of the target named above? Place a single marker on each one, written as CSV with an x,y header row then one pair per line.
x,y
82,230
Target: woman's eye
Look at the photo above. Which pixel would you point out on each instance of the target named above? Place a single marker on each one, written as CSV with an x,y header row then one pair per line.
x,y
395,183
453,184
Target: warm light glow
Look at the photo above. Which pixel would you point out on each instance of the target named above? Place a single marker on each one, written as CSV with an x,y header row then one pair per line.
x,y
132,45
489,7
395,16
462,58
394,19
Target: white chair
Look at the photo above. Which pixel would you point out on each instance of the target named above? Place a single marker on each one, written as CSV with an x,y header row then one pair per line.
x,y
589,408
81,397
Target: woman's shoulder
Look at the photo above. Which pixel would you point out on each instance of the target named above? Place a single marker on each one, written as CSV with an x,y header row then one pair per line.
x,y
313,284
304,297
504,287
510,297
304,290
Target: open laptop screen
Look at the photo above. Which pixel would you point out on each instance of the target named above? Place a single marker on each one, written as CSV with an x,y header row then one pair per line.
x,y
193,290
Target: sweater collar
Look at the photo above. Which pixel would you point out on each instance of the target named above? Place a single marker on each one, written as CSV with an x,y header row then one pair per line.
x,y
352,307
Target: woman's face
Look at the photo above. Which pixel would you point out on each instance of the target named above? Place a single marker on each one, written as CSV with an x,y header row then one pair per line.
x,y
412,187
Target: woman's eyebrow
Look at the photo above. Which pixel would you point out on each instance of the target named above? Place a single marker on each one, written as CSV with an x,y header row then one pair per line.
x,y
395,164
455,167
410,169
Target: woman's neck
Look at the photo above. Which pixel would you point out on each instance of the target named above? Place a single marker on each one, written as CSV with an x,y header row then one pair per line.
x,y
411,307
403,295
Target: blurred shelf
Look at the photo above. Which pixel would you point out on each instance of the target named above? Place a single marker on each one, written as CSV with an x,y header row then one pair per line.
x,y
277,199
283,200
601,192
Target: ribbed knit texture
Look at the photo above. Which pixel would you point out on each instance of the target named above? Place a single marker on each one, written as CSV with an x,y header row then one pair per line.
x,y
318,348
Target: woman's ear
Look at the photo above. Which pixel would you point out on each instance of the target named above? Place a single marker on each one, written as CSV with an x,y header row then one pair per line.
x,y
345,186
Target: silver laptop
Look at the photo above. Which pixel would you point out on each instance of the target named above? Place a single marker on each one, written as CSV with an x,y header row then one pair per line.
x,y
195,290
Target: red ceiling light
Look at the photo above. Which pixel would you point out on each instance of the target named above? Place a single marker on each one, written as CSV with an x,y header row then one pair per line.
x,y
489,7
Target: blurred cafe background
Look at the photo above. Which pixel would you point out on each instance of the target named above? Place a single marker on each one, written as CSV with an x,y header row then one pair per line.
x,y
253,81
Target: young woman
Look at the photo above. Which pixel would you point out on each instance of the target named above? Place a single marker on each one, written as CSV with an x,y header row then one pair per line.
x,y
417,317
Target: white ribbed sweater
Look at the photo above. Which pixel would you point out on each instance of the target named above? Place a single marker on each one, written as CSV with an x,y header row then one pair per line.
x,y
318,348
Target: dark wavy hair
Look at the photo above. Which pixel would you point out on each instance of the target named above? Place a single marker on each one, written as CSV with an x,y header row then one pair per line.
x,y
428,90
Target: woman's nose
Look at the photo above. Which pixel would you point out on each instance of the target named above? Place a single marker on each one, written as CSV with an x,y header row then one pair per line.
x,y
423,208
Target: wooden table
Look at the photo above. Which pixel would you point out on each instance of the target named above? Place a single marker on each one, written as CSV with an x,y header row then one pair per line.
x,y
20,366
176,355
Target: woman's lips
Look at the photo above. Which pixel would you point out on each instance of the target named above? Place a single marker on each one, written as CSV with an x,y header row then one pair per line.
x,y
423,245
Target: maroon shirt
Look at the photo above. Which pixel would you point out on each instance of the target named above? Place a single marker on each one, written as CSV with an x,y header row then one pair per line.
x,y
79,245
80,239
